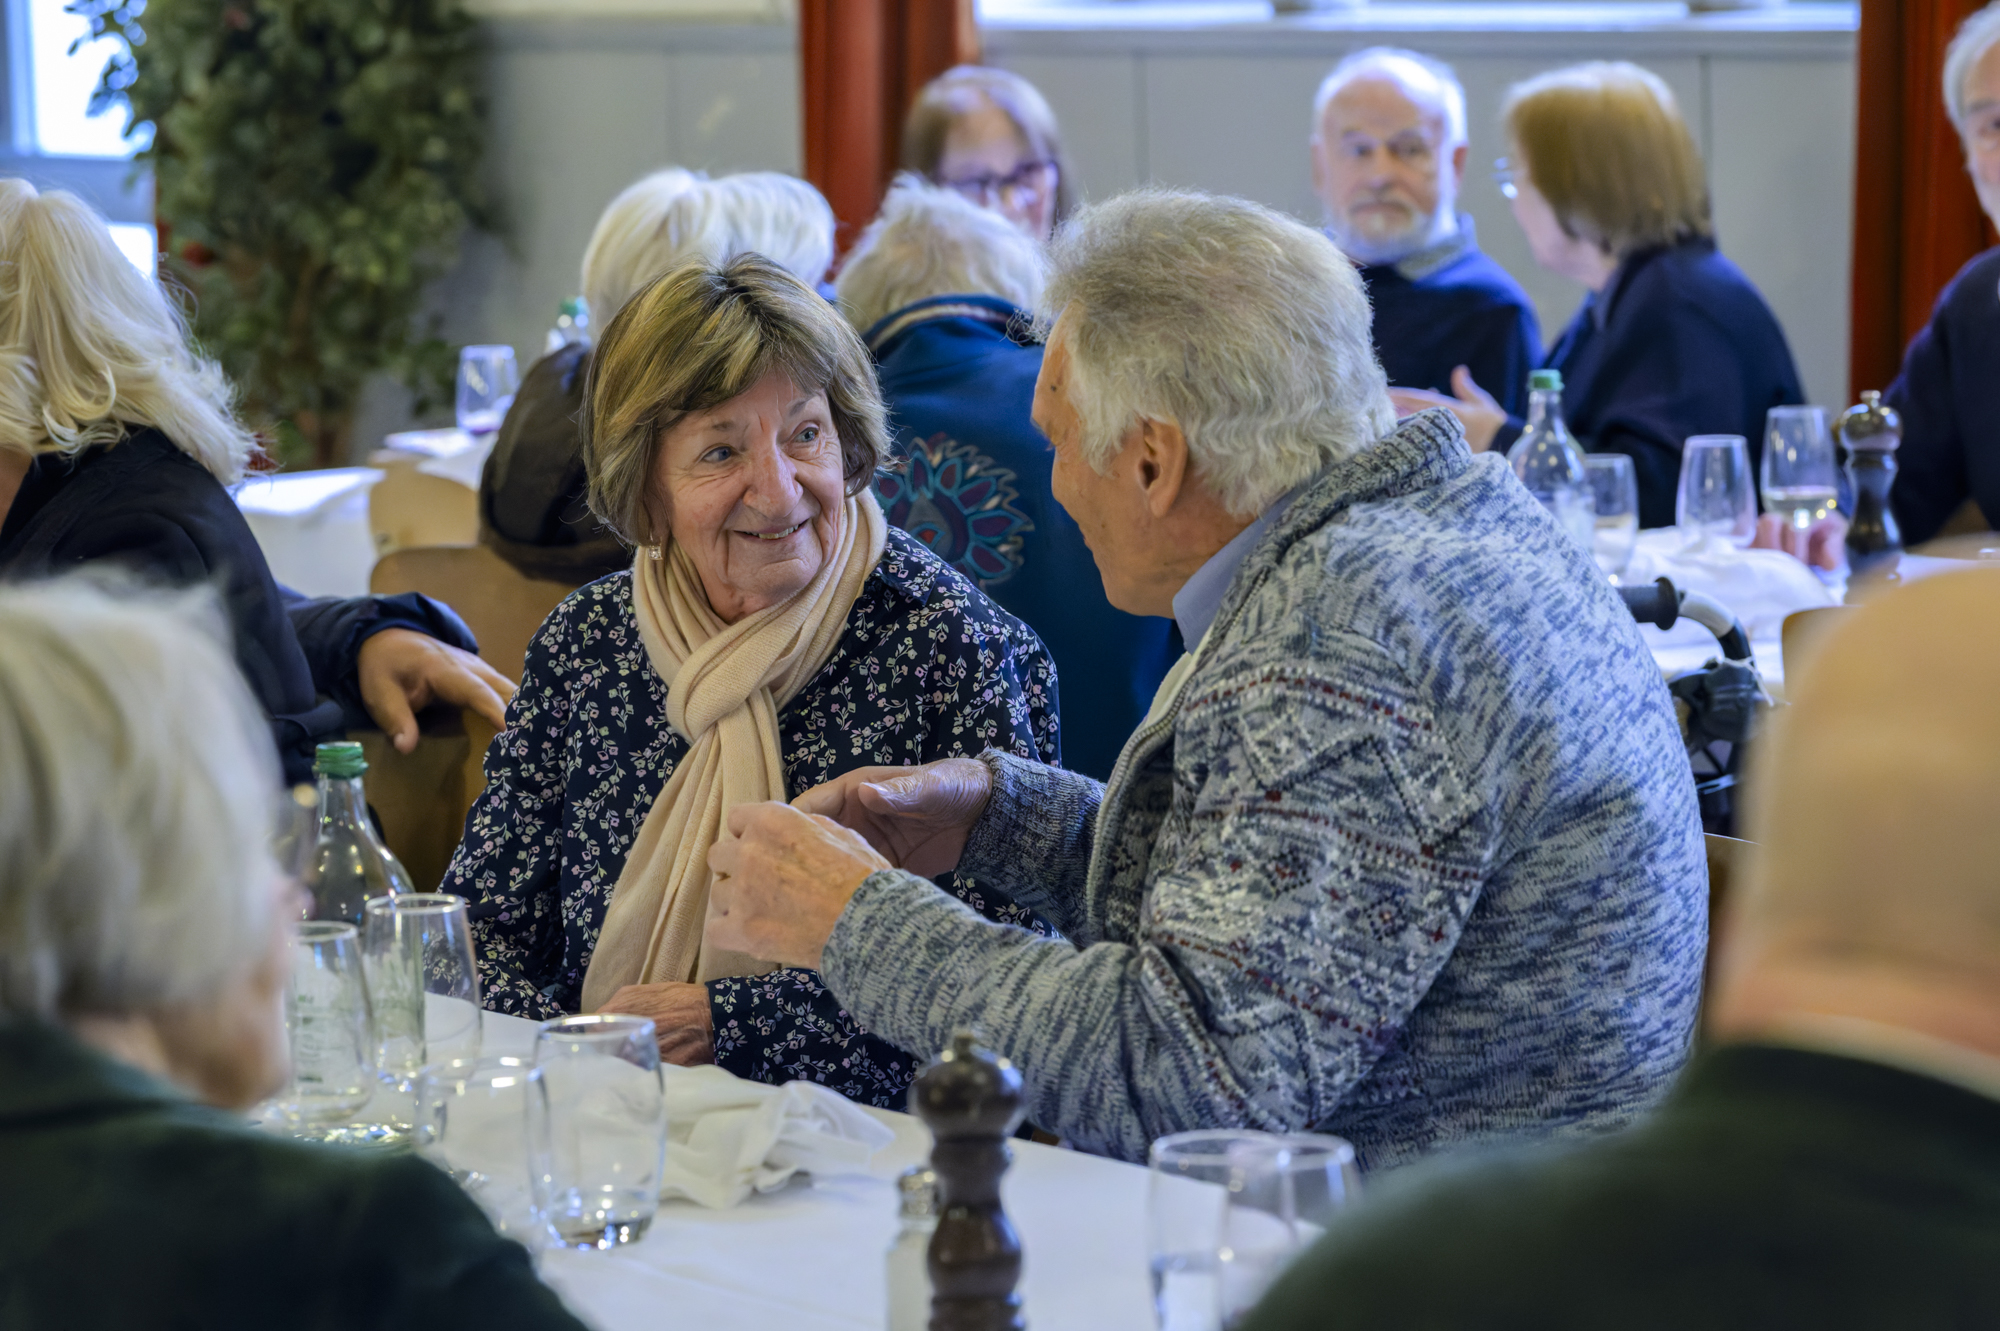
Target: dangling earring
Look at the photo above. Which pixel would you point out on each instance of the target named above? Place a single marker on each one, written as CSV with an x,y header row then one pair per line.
x,y
653,552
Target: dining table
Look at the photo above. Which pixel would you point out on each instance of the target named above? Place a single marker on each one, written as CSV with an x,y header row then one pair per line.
x,y
812,1256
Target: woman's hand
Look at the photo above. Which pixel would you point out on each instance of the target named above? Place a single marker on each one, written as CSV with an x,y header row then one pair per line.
x,y
401,672
681,1020
782,878
919,817
1822,545
1478,413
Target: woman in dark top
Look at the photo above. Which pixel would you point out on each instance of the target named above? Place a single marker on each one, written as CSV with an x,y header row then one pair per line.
x,y
1672,339
135,478
734,428
144,953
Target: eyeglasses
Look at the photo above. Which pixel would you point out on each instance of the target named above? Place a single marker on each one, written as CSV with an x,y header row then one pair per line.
x,y
1507,177
1024,186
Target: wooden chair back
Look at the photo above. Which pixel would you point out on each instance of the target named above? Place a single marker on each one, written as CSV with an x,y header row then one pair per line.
x,y
408,508
502,607
1801,632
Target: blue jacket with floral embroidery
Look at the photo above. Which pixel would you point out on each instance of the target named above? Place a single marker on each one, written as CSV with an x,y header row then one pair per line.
x,y
928,668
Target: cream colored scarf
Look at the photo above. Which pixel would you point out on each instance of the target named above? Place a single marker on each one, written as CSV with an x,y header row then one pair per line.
x,y
725,684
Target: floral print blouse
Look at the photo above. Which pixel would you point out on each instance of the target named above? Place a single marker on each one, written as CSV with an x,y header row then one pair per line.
x,y
928,668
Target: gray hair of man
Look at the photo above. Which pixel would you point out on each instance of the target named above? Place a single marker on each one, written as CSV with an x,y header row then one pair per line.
x,y
1975,37
673,217
929,242
1415,71
140,784
1243,327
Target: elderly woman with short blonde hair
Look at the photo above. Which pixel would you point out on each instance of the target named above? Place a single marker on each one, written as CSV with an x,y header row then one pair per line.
x,y
145,946
1672,340
772,632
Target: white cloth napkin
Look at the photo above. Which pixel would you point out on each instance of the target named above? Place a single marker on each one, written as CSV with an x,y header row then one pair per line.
x,y
727,1137
1760,586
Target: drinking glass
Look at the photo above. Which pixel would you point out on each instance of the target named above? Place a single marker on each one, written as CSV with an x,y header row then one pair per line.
x,y
487,380
472,1122
326,1022
597,1124
1614,490
1228,1209
1716,497
1801,482
422,981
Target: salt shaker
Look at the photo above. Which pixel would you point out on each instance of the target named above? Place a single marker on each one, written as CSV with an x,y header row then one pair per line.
x,y
909,1255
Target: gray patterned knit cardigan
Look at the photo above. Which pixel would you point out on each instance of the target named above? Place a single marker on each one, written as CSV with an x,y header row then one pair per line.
x,y
1415,859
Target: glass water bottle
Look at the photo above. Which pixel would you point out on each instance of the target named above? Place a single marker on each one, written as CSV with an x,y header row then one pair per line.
x,y
351,864
1550,464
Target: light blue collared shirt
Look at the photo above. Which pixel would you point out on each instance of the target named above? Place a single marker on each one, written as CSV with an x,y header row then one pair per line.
x,y
1198,602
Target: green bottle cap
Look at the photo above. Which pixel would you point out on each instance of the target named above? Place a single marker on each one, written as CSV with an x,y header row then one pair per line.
x,y
1545,381
572,307
339,760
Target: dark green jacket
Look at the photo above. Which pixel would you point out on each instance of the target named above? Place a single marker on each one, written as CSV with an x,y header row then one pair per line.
x,y
1775,1189
126,1206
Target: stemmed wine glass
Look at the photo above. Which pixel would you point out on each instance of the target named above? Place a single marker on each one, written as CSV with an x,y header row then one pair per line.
x,y
1800,480
1716,496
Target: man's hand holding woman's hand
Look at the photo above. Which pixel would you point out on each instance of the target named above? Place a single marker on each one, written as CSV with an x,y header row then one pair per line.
x,y
1477,411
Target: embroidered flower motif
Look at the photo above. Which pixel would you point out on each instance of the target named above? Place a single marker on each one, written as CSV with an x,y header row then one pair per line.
x,y
960,504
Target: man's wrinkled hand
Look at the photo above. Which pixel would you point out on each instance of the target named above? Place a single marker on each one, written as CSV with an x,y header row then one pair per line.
x,y
782,879
1479,414
918,817
1822,545
401,672
682,1023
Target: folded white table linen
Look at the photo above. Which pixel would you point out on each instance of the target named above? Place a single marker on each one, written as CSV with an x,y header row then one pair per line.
x,y
727,1137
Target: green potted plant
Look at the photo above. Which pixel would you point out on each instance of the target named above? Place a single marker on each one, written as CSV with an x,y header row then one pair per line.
x,y
315,164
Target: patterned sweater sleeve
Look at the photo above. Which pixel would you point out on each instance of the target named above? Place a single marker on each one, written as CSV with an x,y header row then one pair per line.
x,y
507,864
1329,859
996,691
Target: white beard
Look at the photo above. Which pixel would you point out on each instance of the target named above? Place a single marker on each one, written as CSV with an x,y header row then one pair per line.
x,y
1395,247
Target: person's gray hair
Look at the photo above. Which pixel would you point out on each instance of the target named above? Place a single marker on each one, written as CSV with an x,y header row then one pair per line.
x,y
1413,70
933,242
140,784
1974,39
674,217
1244,327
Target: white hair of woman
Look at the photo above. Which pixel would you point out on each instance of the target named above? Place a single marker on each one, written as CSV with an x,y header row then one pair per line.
x,y
134,870
1243,327
1975,37
90,346
673,217
929,242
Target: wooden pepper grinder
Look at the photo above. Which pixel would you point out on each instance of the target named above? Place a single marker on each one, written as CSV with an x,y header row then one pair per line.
x,y
971,1099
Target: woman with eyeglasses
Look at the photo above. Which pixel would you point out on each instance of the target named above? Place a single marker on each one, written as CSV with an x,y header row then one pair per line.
x,y
1672,340
991,136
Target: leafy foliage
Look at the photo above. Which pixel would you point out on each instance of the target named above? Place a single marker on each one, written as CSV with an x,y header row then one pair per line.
x,y
316,165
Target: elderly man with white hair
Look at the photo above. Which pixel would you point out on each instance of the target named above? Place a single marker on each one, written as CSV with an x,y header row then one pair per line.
x,y
940,289
1388,160
1407,848
1949,389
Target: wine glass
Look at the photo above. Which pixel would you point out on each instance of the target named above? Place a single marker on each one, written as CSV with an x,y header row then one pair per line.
x,y
597,1127
487,380
1227,1209
1800,480
422,980
1716,497
1614,491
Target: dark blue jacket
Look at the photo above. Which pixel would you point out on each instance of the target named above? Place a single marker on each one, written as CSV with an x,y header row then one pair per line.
x,y
1677,344
975,490
147,506
1949,396
1451,306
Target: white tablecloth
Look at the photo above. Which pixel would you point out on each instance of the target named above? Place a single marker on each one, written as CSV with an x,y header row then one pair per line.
x,y
811,1256
313,527
1760,586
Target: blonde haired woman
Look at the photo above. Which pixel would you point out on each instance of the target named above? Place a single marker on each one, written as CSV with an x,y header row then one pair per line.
x,y
772,633
532,508
117,439
1672,339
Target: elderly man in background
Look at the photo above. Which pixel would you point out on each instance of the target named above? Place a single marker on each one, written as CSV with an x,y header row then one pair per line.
x,y
1949,387
1388,160
940,289
1407,847
1835,1160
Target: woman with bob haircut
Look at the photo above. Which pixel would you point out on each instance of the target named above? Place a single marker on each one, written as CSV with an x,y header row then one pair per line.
x,y
533,512
773,632
117,442
145,948
989,135
1672,339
